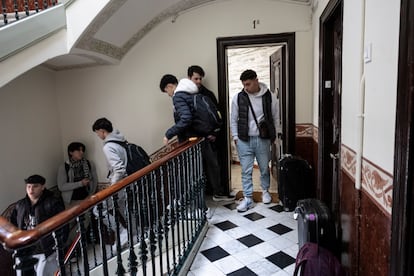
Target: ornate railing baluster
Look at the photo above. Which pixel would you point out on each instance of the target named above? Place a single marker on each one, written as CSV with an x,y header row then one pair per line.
x,y
153,217
142,223
181,206
60,240
158,229
91,235
26,7
16,9
172,210
188,208
132,257
83,242
160,215
120,268
4,10
166,196
101,239
36,2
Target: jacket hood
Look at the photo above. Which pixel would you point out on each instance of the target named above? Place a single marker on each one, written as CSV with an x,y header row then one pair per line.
x,y
263,89
186,85
115,136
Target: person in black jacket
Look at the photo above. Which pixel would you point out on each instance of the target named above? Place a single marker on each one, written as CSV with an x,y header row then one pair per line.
x,y
211,160
39,205
182,93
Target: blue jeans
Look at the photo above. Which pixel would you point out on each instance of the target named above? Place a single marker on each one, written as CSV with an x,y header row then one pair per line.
x,y
259,148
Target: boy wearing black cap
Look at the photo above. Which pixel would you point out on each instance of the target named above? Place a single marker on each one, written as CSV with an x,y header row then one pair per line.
x,y
39,205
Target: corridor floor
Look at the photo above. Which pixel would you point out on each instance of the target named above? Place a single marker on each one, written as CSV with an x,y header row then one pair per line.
x,y
261,241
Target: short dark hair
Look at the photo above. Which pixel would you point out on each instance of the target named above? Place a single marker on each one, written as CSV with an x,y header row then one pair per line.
x,y
166,80
102,123
248,75
75,146
35,179
195,69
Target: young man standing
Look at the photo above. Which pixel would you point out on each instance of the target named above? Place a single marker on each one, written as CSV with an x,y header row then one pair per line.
x,y
116,158
39,205
77,178
211,160
255,103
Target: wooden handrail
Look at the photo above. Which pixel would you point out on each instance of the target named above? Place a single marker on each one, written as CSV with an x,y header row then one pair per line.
x,y
14,238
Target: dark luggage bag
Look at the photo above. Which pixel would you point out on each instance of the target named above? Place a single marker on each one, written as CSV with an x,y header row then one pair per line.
x,y
295,181
315,224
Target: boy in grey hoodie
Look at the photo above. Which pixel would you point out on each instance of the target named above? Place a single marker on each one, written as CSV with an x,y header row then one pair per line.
x,y
116,158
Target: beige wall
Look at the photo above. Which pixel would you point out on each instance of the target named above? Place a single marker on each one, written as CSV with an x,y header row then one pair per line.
x,y
128,94
31,137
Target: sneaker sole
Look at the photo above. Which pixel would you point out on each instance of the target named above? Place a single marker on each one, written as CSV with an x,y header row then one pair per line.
x,y
249,207
223,199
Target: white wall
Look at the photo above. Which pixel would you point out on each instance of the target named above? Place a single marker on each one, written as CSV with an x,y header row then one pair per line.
x,y
128,94
382,31
30,140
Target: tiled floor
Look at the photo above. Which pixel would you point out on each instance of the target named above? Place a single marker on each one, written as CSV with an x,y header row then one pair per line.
x,y
261,241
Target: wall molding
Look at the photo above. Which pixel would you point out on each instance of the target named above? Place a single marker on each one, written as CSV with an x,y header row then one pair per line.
x,y
377,183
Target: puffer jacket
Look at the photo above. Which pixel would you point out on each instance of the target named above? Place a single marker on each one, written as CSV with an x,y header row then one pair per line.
x,y
46,207
182,99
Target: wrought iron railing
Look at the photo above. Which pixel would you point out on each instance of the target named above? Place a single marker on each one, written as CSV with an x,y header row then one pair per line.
x,y
14,10
163,218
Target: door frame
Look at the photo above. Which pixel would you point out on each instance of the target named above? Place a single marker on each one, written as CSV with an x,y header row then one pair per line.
x,y
402,226
223,43
324,188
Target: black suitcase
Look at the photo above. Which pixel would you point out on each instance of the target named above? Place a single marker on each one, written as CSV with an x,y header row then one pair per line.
x,y
315,224
295,180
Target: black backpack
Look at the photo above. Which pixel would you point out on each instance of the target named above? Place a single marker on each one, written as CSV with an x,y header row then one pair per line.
x,y
137,156
206,117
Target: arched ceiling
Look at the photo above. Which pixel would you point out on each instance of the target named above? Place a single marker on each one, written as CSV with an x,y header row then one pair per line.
x,y
102,43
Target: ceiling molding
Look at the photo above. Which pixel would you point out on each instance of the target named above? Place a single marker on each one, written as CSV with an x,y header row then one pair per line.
x,y
89,43
100,52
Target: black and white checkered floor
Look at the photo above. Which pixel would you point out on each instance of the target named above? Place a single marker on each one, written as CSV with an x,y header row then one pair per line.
x,y
261,241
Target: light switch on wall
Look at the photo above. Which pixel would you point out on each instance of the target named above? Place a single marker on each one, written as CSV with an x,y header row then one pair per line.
x,y
368,53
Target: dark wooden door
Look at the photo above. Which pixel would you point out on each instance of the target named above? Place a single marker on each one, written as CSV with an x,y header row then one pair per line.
x,y
329,155
278,86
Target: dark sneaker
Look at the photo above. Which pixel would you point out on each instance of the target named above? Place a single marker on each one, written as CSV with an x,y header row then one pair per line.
x,y
223,198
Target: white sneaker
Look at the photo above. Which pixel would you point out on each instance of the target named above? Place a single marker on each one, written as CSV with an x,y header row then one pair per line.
x,y
266,198
245,204
209,214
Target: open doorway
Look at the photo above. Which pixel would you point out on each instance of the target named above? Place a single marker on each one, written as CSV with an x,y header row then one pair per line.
x,y
224,45
258,59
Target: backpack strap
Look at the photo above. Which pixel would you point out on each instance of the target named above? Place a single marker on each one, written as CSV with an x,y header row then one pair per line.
x,y
123,144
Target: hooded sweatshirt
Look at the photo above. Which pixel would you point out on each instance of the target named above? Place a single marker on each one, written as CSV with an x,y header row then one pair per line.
x,y
256,100
116,156
182,98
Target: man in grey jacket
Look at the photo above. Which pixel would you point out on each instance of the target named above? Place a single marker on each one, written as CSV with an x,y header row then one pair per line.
x,y
116,158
